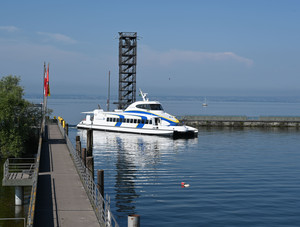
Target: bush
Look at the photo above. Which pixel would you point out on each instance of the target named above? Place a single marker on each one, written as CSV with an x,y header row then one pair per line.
x,y
18,118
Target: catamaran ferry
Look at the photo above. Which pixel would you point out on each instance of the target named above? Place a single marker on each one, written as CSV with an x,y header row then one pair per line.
x,y
141,117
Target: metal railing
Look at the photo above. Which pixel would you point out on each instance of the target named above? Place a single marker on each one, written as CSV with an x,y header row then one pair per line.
x,y
100,206
19,165
31,208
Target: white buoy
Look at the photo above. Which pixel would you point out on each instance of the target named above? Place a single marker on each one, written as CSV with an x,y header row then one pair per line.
x,y
184,185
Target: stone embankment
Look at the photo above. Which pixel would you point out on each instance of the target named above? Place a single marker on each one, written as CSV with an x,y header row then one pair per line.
x,y
240,121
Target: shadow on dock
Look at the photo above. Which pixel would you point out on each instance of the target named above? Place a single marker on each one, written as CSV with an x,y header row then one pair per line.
x,y
44,205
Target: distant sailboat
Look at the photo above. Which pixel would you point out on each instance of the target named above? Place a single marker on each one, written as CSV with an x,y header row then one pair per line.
x,y
205,103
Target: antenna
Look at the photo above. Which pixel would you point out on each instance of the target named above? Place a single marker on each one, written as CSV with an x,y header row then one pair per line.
x,y
144,95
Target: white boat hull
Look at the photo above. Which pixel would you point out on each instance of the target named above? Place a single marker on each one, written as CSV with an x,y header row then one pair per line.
x,y
162,131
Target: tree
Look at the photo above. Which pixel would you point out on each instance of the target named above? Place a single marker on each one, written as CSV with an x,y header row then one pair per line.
x,y
17,118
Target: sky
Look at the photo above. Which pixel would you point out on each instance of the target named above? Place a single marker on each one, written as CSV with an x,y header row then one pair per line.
x,y
185,48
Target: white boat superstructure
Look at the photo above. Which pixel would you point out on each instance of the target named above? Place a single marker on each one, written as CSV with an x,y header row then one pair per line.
x,y
142,117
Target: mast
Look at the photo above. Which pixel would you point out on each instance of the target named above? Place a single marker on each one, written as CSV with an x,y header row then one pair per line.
x,y
108,97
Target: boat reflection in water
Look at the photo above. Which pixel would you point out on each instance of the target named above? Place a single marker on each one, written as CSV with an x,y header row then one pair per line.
x,y
132,163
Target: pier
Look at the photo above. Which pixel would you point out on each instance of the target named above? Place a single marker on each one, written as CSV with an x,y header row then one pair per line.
x,y
64,192
241,121
61,198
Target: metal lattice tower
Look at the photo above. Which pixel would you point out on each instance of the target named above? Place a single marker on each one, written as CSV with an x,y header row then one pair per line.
x,y
127,68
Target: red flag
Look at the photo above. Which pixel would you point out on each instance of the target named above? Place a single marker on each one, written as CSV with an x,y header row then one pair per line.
x,y
45,80
48,85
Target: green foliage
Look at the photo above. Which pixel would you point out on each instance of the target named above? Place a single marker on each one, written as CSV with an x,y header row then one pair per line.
x,y
17,118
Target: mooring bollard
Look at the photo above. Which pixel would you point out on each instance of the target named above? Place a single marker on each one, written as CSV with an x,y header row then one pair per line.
x,y
100,183
134,220
83,156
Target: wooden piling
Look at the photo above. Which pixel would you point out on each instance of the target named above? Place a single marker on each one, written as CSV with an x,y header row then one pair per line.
x,y
83,155
100,183
90,165
78,148
67,129
89,142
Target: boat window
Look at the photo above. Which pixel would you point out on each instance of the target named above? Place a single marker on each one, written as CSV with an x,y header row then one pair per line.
x,y
156,121
131,120
156,107
150,122
143,106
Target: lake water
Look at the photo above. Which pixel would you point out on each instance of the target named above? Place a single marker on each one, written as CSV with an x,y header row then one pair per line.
x,y
237,177
247,177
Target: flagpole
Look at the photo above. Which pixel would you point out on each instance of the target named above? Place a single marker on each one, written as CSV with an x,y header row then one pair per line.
x,y
44,99
44,102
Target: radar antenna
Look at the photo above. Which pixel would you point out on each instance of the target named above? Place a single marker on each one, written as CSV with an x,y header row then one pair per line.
x,y
144,95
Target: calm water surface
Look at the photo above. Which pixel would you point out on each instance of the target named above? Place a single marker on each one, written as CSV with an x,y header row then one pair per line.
x,y
237,177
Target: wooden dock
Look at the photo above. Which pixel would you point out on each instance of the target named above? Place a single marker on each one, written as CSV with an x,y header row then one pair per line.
x,y
61,197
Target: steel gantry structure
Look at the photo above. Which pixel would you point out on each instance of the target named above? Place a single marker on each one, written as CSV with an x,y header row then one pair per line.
x,y
127,68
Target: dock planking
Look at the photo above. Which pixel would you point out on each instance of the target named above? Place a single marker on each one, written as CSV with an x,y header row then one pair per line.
x,y
61,197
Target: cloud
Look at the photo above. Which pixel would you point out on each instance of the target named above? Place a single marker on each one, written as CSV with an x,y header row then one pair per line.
x,y
174,56
57,37
8,28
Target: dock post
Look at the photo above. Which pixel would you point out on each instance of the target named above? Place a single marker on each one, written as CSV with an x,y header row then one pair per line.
x,y
19,195
100,183
90,165
83,156
134,220
67,129
89,142
78,146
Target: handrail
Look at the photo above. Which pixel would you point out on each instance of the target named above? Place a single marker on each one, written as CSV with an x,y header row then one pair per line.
x,y
12,165
31,208
100,205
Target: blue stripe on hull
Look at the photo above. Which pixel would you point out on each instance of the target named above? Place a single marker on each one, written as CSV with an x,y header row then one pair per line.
x,y
118,124
141,125
172,123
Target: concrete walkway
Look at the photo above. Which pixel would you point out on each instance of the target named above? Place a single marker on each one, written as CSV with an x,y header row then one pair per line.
x,y
61,198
